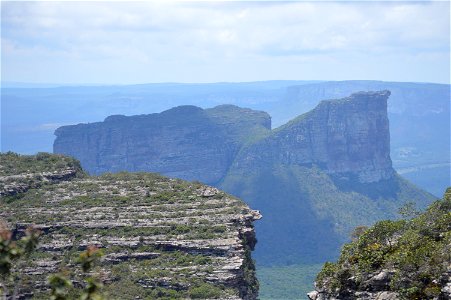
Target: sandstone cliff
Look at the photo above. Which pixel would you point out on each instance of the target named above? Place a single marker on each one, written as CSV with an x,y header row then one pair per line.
x,y
350,135
321,175
185,142
161,237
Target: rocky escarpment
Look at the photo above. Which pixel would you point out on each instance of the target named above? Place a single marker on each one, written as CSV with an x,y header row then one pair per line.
x,y
322,174
350,135
346,136
161,237
20,173
406,259
185,142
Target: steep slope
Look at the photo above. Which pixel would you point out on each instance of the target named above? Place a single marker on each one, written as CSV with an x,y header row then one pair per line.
x,y
185,142
349,135
419,116
321,175
161,237
406,259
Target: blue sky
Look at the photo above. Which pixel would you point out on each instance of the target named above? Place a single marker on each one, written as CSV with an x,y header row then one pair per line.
x,y
138,42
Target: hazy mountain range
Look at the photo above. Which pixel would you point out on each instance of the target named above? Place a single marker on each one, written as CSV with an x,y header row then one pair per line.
x,y
418,113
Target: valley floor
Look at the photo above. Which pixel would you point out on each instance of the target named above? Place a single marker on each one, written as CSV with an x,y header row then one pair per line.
x,y
286,282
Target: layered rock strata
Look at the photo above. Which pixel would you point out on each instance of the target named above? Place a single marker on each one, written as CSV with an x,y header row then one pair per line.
x,y
160,236
350,135
20,173
346,136
185,142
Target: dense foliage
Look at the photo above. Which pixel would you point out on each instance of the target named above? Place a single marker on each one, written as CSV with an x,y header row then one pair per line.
x,y
416,251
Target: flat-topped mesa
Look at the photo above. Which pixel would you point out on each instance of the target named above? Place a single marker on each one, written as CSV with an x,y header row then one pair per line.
x,y
349,136
185,142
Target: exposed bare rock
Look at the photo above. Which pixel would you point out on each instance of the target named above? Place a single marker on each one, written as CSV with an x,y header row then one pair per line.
x,y
18,174
12,185
349,135
184,142
156,233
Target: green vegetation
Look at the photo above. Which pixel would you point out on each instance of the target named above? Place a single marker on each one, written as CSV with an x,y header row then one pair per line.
x,y
416,250
157,236
15,256
12,256
286,282
14,164
328,208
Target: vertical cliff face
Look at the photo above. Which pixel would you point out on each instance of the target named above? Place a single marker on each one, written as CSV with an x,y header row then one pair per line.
x,y
348,136
185,142
162,238
321,175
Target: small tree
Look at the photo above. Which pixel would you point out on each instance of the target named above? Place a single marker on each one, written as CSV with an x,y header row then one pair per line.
x,y
14,252
60,285
10,253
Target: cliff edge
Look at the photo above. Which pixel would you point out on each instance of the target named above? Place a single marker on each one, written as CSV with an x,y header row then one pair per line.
x,y
161,237
345,136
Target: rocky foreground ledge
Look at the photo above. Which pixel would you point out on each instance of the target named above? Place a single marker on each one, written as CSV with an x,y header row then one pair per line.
x,y
404,259
160,237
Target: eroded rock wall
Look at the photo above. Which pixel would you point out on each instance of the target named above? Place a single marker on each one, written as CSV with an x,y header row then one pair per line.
x,y
185,142
160,236
345,136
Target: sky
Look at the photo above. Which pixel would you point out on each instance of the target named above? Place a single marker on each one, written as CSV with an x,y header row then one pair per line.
x,y
166,41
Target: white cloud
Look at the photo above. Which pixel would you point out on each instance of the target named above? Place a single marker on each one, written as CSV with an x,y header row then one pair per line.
x,y
193,37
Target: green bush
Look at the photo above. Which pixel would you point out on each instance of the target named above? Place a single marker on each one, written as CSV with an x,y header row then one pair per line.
x,y
205,291
417,249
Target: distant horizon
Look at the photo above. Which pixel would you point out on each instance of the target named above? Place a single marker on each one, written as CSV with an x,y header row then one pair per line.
x,y
9,84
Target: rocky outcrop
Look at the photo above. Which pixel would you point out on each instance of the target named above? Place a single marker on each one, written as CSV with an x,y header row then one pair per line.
x,y
404,259
185,142
160,236
375,286
347,136
21,173
16,184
